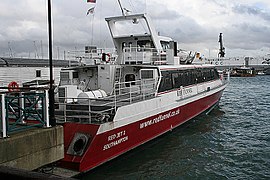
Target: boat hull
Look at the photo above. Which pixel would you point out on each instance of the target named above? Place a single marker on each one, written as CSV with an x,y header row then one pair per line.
x,y
102,147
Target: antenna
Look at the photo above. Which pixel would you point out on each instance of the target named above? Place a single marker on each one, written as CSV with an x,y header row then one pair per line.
x,y
121,7
10,50
41,48
36,51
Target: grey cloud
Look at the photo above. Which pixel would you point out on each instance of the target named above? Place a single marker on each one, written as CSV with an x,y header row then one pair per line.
x,y
72,28
248,36
162,13
251,10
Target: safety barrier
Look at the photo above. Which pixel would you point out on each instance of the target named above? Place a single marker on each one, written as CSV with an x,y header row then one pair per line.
x,y
100,110
93,56
140,55
23,110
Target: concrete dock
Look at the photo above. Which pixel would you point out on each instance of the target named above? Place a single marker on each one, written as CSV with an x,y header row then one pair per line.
x,y
31,149
27,140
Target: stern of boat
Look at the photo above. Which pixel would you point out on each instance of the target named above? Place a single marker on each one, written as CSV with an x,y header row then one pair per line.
x,y
77,140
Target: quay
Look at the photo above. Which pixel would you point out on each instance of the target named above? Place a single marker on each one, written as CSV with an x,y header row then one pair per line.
x,y
258,65
257,68
27,141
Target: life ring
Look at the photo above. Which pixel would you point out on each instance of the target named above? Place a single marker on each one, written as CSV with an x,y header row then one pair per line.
x,y
13,86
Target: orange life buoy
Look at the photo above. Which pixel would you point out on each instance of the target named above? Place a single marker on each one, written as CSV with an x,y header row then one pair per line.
x,y
13,86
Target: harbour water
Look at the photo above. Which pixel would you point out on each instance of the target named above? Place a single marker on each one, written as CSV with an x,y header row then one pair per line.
x,y
232,142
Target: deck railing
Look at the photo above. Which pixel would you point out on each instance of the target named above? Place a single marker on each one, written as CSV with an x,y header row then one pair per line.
x,y
23,110
100,110
92,56
139,55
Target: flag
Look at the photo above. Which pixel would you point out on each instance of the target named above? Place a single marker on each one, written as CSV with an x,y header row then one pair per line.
x,y
90,11
91,1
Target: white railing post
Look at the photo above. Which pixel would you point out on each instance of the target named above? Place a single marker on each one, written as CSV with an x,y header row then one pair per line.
x,y
89,108
115,98
21,102
3,110
46,110
65,110
130,96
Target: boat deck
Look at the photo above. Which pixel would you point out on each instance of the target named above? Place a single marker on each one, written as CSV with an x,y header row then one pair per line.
x,y
98,111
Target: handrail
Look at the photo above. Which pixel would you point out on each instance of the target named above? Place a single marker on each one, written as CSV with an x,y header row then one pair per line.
x,y
23,110
91,55
144,55
124,93
24,89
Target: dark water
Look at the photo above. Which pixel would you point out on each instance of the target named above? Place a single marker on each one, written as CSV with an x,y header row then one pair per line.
x,y
232,142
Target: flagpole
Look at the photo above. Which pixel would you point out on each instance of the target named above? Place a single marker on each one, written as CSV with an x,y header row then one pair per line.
x,y
92,12
92,28
121,8
52,120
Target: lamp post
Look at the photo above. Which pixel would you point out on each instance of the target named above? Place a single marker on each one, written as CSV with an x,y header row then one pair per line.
x,y
51,90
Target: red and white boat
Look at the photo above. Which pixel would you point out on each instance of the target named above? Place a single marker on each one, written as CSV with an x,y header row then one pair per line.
x,y
118,102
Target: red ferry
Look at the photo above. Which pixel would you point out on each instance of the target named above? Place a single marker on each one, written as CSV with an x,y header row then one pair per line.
x,y
115,102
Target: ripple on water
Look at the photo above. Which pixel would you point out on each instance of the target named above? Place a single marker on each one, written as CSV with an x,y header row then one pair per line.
x,y
232,142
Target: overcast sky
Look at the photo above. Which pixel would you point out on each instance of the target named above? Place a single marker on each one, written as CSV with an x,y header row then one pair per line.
x,y
195,25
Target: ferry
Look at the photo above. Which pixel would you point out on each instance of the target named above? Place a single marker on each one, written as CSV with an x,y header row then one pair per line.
x,y
243,72
118,101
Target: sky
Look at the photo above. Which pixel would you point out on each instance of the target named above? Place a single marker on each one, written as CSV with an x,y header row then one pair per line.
x,y
195,25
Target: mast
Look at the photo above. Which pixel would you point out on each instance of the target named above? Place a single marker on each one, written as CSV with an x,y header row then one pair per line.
x,y
121,7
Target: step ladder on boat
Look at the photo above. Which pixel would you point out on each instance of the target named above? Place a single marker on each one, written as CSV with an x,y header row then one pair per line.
x,y
117,80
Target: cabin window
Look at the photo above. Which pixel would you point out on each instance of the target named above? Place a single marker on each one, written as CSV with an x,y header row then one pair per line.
x,y
177,79
199,76
184,78
75,75
129,79
165,45
64,76
194,77
145,44
166,82
38,73
216,76
147,74
208,75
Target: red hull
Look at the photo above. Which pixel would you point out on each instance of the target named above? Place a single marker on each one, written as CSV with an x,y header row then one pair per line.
x,y
108,145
